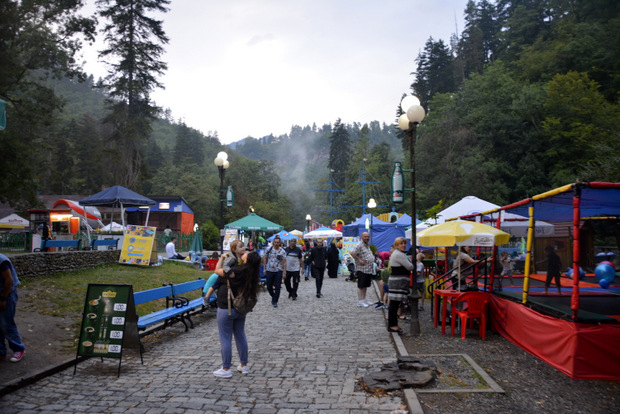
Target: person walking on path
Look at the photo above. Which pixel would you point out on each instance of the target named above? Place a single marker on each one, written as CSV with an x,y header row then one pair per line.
x,y
333,261
294,263
8,304
364,265
274,263
554,266
307,260
244,281
420,278
318,256
398,282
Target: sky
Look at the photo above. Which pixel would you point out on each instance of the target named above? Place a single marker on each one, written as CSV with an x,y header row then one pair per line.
x,y
257,67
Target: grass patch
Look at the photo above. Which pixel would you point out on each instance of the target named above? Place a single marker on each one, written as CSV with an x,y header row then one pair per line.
x,y
63,294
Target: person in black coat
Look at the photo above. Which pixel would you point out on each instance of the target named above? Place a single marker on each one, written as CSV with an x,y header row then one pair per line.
x,y
318,256
333,261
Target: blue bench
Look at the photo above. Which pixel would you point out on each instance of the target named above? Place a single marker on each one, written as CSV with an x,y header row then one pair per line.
x,y
193,304
69,244
177,308
111,243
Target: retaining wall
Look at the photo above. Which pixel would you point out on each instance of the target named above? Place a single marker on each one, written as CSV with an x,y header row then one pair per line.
x,y
46,264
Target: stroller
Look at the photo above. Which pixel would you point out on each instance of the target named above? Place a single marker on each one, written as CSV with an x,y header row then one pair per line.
x,y
349,263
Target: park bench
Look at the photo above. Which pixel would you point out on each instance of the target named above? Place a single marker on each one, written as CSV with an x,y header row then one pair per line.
x,y
177,308
111,243
69,244
193,304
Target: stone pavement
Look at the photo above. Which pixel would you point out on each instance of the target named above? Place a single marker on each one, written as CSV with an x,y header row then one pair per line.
x,y
305,357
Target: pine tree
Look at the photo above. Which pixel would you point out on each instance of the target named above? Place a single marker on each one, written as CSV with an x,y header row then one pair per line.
x,y
133,45
339,150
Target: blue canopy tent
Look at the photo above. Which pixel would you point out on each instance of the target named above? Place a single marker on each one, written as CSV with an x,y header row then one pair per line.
x,y
382,234
284,235
118,196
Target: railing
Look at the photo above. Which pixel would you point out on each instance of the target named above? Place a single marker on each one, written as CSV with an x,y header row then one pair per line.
x,y
15,242
449,280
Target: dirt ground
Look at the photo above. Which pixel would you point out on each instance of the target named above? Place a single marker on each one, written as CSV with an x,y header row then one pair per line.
x,y
48,340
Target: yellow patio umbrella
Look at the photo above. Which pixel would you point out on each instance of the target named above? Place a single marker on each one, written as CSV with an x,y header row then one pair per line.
x,y
462,233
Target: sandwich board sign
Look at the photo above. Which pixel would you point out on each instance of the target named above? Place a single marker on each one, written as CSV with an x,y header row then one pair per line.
x,y
109,323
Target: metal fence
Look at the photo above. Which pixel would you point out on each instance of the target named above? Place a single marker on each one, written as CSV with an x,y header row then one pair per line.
x,y
15,242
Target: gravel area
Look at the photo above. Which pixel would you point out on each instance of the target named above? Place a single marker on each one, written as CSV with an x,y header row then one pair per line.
x,y
530,384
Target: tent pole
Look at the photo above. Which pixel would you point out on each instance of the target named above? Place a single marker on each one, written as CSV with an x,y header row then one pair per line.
x,y
147,216
574,304
528,253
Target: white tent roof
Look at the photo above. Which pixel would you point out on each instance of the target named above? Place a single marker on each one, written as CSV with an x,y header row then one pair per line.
x,y
13,221
514,224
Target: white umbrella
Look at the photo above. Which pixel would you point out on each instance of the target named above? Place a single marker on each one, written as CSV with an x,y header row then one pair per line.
x,y
323,233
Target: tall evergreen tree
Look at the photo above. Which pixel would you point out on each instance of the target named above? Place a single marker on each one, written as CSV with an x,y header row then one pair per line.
x,y
38,39
133,46
339,150
435,72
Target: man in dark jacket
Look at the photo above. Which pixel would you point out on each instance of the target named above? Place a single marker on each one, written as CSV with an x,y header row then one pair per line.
x,y
318,255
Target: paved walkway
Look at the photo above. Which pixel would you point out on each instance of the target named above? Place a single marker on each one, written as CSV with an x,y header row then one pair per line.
x,y
305,357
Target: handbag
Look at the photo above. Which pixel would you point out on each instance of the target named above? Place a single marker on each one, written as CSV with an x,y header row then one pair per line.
x,y
242,303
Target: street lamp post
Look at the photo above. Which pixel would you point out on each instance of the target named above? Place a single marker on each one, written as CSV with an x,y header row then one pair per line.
x,y
408,121
308,220
221,161
371,205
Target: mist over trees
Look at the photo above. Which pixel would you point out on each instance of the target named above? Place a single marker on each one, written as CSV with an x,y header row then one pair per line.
x,y
523,100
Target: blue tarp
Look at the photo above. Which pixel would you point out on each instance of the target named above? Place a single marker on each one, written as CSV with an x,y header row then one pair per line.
x,y
382,235
603,202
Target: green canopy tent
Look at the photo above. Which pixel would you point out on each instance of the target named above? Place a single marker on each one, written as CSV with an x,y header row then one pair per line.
x,y
254,223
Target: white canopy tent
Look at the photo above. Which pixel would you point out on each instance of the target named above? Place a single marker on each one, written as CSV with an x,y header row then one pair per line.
x,y
513,224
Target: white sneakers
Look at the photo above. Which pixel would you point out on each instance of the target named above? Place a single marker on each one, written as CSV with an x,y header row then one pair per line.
x,y
227,373
223,373
362,304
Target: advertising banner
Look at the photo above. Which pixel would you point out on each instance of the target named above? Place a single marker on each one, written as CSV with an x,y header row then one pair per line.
x,y
109,322
139,246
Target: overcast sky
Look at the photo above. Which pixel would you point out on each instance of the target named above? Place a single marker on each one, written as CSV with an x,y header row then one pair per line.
x,y
255,67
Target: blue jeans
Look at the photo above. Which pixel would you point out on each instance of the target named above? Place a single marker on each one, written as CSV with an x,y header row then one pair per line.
x,y
8,328
229,325
307,270
274,282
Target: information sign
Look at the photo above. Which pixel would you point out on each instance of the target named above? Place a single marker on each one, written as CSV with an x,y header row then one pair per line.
x,y
139,246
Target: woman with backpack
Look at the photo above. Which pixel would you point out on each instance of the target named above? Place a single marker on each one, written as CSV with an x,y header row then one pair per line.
x,y
242,280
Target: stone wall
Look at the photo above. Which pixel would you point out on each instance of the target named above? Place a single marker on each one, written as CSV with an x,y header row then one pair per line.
x,y
46,264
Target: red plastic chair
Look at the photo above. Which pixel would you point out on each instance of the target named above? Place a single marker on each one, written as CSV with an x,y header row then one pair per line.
x,y
476,306
211,263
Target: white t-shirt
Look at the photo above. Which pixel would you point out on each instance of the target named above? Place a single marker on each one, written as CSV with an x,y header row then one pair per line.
x,y
170,251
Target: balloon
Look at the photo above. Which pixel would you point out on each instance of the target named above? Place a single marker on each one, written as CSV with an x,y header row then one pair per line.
x,y
604,283
608,262
604,271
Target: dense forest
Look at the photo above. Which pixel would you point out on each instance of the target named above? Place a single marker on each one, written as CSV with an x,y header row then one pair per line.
x,y
523,100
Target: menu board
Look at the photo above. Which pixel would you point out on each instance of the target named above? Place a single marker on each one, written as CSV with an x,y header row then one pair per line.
x,y
138,246
109,321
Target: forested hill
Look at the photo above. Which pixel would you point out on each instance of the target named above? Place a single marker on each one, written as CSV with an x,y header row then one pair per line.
x,y
523,100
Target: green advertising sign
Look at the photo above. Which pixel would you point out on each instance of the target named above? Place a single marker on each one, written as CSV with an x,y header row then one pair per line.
x,y
109,321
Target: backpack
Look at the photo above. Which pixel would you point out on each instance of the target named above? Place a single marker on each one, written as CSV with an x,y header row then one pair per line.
x,y
307,258
242,304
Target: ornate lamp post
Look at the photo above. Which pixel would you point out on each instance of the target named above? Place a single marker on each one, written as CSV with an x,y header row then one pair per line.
x,y
413,115
221,161
308,220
